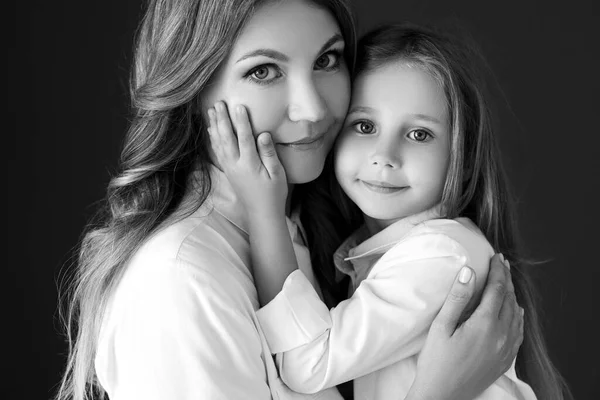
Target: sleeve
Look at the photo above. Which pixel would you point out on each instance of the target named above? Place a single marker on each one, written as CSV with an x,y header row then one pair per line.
x,y
385,321
179,335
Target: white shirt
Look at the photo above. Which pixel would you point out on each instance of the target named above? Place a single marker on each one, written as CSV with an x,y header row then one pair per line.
x,y
181,322
400,277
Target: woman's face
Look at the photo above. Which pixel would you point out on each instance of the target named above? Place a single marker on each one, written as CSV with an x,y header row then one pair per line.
x,y
287,68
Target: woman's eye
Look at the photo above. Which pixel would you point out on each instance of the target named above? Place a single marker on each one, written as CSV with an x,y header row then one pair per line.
x,y
419,135
329,60
263,73
364,127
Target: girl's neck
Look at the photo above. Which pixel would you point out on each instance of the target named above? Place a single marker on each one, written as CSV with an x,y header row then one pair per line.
x,y
374,226
288,201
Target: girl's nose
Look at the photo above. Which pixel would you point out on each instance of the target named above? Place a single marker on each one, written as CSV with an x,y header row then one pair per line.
x,y
306,103
385,155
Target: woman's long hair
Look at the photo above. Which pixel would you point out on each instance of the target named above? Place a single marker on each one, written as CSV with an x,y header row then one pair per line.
x,y
179,46
476,185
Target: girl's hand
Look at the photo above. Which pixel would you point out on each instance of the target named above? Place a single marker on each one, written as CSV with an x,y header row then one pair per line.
x,y
256,175
460,362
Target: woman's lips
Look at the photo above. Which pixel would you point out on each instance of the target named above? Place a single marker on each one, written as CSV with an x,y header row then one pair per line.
x,y
309,143
382,187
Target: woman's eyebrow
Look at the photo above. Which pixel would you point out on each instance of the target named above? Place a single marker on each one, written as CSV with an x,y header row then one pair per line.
x,y
274,54
279,56
334,39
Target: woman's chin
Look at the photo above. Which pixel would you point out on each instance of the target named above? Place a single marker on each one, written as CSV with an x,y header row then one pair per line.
x,y
298,174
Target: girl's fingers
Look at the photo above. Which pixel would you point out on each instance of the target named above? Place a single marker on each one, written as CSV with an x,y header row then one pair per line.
x,y
247,144
228,141
268,156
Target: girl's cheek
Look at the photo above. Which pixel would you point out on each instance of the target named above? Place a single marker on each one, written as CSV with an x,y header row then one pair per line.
x,y
347,156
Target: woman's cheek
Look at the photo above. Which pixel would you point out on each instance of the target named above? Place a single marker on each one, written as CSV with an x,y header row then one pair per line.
x,y
265,108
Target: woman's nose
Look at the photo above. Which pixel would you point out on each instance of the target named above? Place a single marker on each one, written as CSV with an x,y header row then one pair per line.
x,y
306,103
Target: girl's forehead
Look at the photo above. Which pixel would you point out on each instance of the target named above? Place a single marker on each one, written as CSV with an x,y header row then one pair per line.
x,y
400,89
289,28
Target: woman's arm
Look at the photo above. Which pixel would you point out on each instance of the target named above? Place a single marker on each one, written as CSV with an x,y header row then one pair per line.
x,y
458,362
259,179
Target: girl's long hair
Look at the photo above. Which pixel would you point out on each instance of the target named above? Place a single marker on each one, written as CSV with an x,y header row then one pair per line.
x,y
179,46
475,187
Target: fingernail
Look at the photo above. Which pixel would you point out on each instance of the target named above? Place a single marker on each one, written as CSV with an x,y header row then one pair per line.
x,y
507,263
501,257
522,311
240,109
465,275
219,106
265,138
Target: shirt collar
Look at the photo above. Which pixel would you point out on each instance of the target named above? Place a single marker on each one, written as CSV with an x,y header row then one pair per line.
x,y
358,250
224,200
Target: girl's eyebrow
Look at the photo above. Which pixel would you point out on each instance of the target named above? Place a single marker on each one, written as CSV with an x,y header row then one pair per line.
x,y
279,56
357,109
425,117
370,110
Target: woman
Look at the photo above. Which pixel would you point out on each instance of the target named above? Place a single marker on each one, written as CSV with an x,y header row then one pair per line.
x,y
164,299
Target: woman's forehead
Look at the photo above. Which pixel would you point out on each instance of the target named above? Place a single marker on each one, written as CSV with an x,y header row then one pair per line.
x,y
287,29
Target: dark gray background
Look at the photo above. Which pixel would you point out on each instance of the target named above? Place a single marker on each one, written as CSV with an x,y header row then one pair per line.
x,y
67,104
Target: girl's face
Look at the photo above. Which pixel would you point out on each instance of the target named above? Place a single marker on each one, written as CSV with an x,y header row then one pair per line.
x,y
392,156
287,68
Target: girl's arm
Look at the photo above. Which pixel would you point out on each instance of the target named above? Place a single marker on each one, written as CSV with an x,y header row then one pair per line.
x,y
385,321
259,179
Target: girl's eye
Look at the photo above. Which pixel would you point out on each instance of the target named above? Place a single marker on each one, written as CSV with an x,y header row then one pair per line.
x,y
263,73
364,127
419,135
328,61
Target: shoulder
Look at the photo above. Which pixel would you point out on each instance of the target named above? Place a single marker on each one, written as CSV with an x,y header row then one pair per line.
x,y
442,238
209,245
193,263
462,231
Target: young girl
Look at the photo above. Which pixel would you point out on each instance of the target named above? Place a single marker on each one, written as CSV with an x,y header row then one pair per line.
x,y
417,156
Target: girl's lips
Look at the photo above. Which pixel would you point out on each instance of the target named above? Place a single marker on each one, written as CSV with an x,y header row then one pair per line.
x,y
382,187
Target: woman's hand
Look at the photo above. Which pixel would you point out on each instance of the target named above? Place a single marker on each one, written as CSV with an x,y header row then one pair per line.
x,y
252,167
460,362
